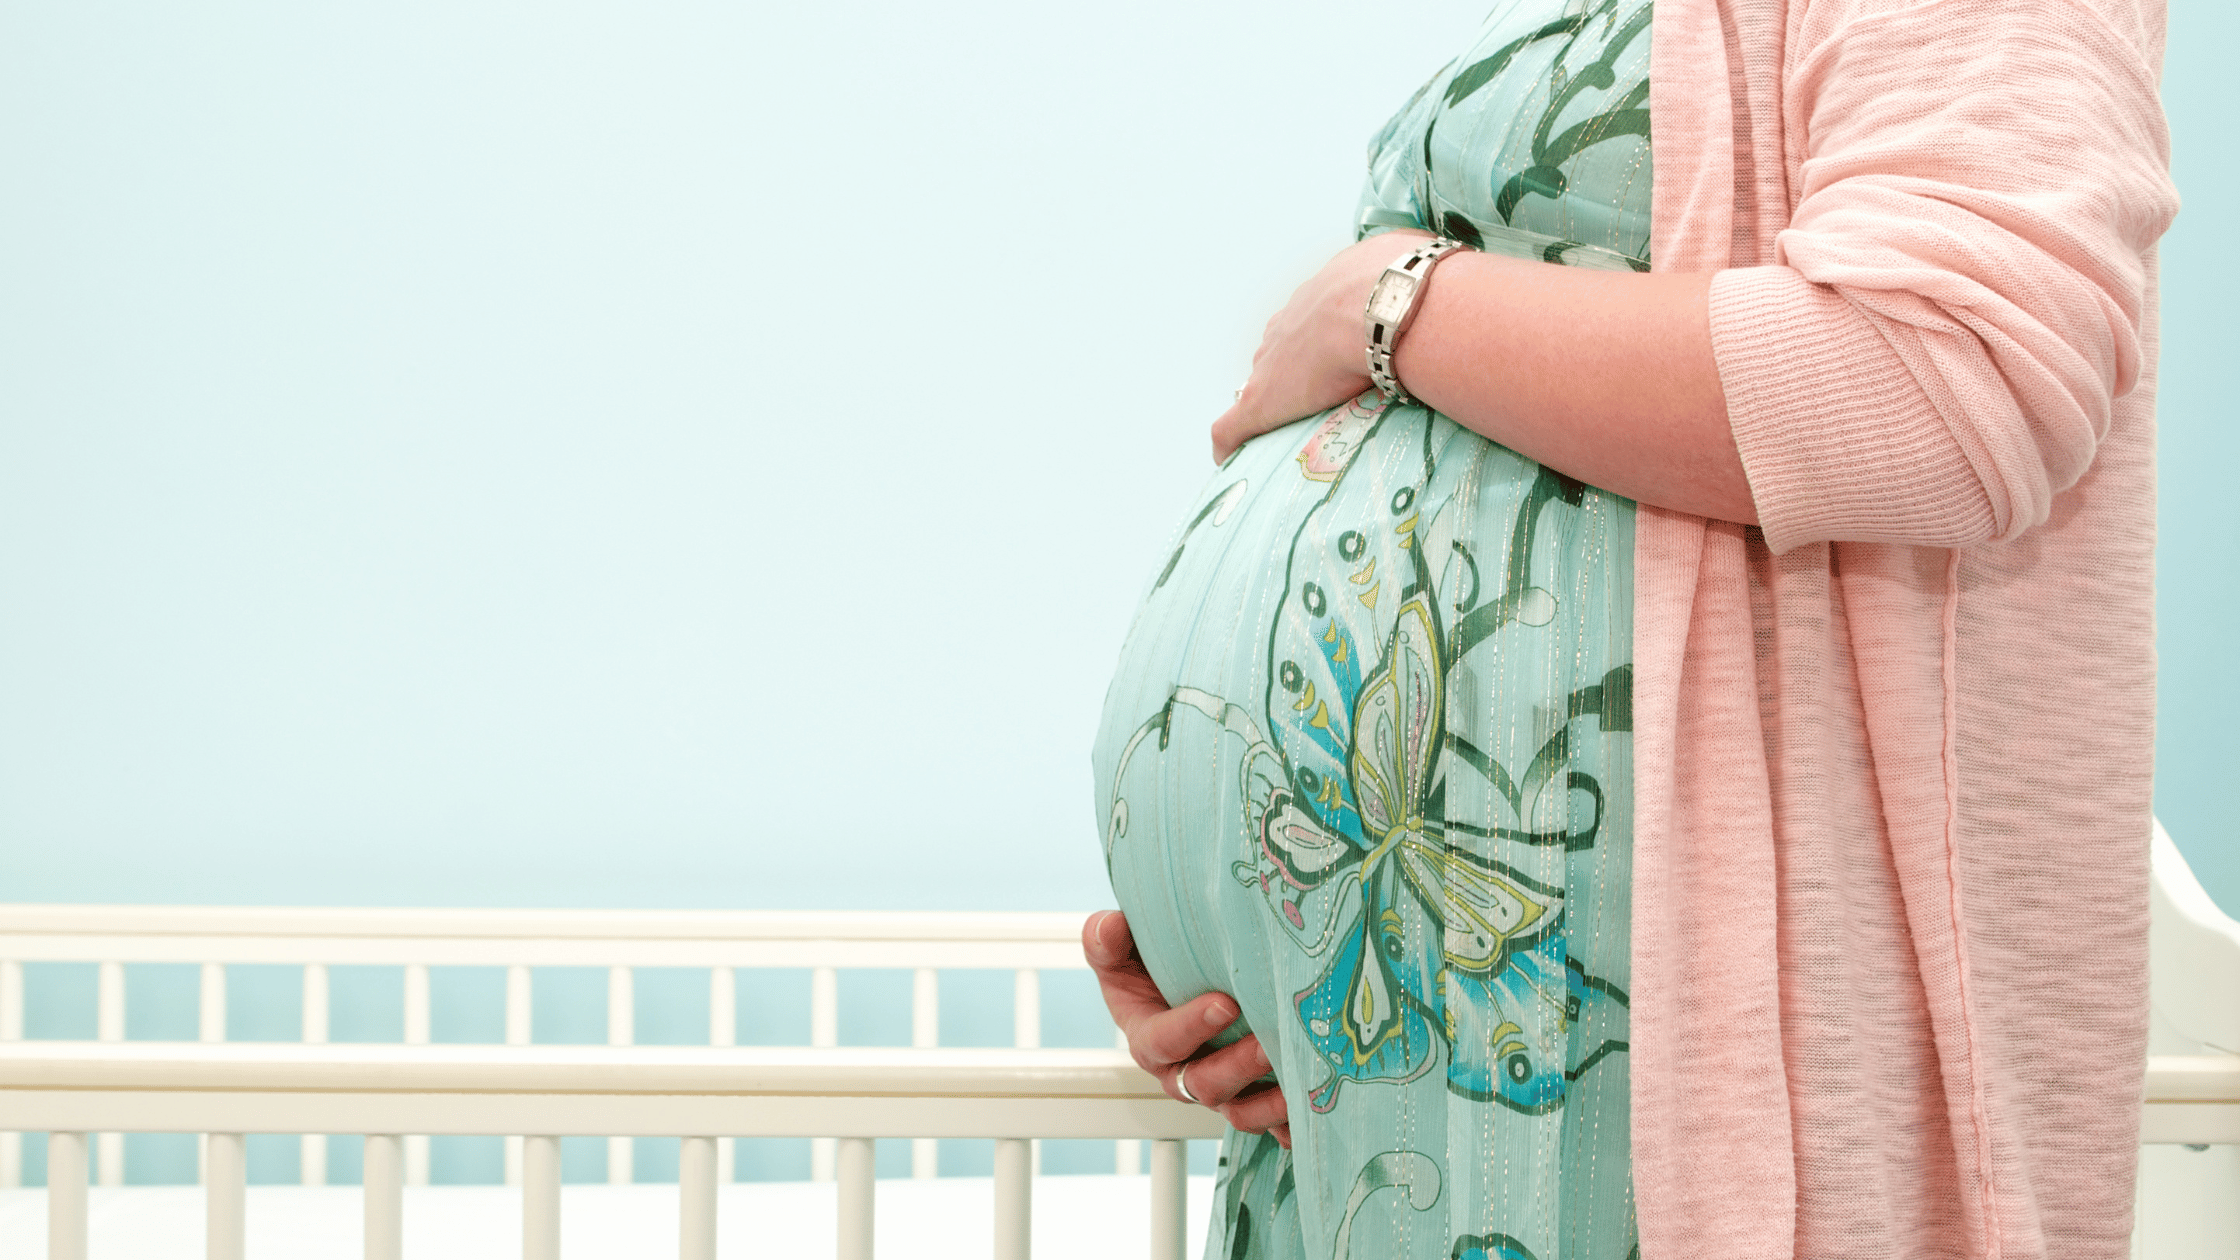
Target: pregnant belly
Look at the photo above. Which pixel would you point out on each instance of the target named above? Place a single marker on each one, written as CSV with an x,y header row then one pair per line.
x,y
1368,719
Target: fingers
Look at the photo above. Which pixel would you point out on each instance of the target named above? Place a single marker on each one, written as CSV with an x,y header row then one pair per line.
x,y
1229,431
1127,988
1105,939
1158,1035
1228,1073
1171,1036
1261,1111
1166,1040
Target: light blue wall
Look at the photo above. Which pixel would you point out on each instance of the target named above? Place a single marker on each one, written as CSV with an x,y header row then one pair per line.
x,y
697,454
2197,749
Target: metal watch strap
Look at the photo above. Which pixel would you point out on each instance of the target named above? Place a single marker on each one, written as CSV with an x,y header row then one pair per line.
x,y
1384,324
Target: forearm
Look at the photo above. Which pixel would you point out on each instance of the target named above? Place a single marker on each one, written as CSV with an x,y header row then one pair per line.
x,y
1607,377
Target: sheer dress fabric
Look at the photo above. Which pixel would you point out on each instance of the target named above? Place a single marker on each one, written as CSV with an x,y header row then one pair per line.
x,y
1366,760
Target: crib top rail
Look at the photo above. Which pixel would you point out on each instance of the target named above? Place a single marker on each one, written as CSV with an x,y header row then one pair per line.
x,y
480,937
647,1091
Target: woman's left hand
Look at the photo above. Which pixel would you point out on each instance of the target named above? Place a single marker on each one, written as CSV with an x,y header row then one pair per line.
x,y
1312,355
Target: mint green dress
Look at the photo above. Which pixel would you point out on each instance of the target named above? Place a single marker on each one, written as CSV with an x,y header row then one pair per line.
x,y
1366,760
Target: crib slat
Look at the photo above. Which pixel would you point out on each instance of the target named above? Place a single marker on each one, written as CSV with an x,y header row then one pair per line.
x,y
213,1003
519,1011
723,1030
824,1032
723,1007
1014,1198
696,1199
225,1176
540,1198
108,1148
519,1014
66,1196
1169,1198
317,1004
622,1030
384,1197
317,1019
925,1034
856,1198
418,1031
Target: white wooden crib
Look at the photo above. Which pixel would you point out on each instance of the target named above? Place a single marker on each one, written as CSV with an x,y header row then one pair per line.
x,y
85,1095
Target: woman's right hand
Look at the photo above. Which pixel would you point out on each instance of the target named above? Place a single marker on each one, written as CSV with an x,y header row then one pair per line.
x,y
1168,1041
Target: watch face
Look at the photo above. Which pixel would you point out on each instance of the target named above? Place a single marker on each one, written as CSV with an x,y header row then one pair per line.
x,y
1391,298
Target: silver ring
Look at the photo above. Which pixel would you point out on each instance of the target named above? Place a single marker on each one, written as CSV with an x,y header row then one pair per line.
x,y
1238,396
1182,1085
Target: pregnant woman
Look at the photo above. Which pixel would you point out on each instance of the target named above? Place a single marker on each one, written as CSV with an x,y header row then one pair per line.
x,y
1756,871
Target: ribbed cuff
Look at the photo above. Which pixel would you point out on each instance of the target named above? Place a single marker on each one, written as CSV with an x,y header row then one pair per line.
x,y
1839,440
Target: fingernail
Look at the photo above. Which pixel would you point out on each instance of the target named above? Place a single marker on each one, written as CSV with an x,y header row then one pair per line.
x,y
1218,1013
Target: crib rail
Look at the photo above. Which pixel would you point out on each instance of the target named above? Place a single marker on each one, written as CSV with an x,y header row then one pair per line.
x,y
720,942
857,1095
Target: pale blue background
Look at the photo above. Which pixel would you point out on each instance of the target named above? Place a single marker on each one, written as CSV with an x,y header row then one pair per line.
x,y
681,454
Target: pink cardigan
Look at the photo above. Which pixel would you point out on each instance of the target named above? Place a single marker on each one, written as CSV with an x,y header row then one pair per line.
x,y
1895,749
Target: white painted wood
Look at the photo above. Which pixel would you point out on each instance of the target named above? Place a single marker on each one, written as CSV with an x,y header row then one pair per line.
x,y
622,1030
225,1182
925,1034
622,1007
1170,1192
1014,1197
520,1017
1127,1157
925,1008
824,1007
2195,952
318,1004
384,1197
723,1006
696,1199
824,1032
11,1160
1026,1008
418,1031
109,1002
108,1148
318,1014
350,935
540,1198
212,1013
856,1198
66,1196
520,1008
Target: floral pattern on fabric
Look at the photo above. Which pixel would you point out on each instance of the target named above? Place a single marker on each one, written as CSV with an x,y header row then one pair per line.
x,y
1366,761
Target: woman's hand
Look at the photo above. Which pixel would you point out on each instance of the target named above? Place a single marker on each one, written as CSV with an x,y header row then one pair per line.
x,y
1166,1040
1313,355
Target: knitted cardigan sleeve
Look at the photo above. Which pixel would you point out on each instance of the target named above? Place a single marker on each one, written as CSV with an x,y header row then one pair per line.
x,y
1957,300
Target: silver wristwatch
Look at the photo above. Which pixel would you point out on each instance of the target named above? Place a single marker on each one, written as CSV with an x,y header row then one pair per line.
x,y
1392,307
